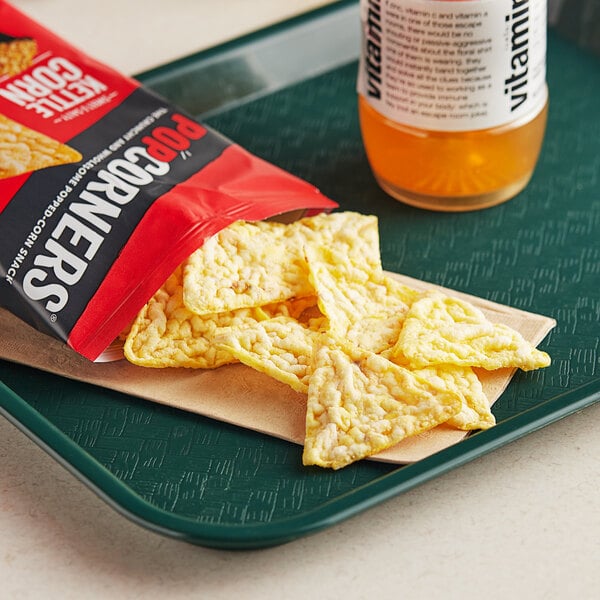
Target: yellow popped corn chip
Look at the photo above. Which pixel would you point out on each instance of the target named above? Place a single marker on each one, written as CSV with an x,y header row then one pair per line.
x,y
376,334
442,330
280,347
360,403
475,411
363,305
358,234
251,264
166,334
245,264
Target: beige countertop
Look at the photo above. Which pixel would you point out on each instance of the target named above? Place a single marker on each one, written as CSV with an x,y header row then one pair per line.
x,y
522,522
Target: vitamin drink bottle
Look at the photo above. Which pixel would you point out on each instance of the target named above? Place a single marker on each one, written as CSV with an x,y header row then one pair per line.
x,y
453,98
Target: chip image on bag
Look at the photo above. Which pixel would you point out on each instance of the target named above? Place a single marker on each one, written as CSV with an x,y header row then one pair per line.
x,y
16,54
23,150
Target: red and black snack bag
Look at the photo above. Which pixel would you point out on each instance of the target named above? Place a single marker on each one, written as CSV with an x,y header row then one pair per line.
x,y
105,188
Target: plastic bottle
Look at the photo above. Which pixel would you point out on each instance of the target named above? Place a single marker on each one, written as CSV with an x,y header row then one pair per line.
x,y
453,98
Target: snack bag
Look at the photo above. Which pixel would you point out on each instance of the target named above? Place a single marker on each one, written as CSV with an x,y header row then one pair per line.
x,y
105,188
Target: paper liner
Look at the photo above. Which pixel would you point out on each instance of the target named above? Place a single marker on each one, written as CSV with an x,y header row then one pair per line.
x,y
239,395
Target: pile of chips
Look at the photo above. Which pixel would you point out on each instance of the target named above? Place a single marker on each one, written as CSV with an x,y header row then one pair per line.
x,y
309,304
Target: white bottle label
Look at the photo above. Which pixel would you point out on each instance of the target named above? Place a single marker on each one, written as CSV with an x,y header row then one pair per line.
x,y
454,66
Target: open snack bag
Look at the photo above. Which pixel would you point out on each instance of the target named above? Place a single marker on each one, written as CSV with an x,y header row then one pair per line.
x,y
105,188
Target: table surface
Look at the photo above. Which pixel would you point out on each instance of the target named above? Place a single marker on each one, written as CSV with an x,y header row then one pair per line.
x,y
522,522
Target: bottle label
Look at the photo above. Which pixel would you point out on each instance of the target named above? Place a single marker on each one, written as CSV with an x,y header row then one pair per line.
x,y
454,66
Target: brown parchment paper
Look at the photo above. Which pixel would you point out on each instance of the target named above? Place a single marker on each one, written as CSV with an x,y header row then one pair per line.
x,y
239,395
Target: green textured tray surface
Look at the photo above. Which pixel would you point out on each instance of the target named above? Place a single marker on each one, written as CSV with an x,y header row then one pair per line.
x,y
219,485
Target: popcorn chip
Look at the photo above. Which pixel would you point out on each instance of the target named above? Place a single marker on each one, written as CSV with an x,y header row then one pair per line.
x,y
280,347
23,150
443,330
245,264
16,54
376,334
166,334
359,403
475,412
252,264
358,234
363,305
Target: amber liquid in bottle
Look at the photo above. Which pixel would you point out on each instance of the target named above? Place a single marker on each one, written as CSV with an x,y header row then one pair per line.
x,y
449,170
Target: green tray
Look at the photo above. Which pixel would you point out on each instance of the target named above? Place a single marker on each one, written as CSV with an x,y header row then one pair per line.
x,y
287,94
